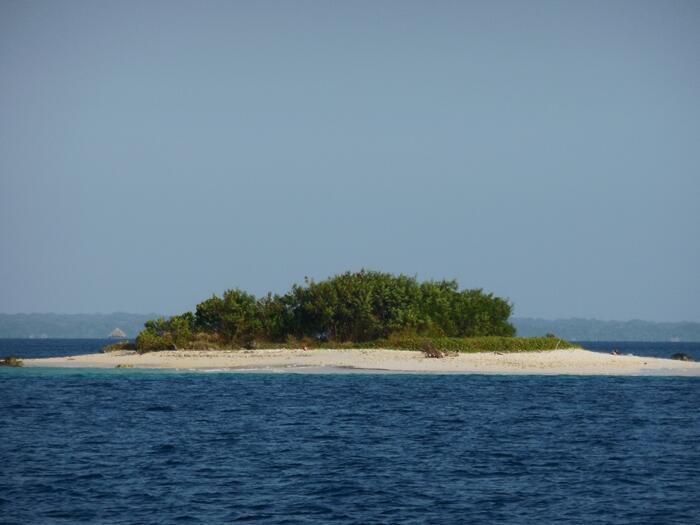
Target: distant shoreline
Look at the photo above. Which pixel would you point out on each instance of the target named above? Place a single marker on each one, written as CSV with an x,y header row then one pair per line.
x,y
98,326
548,362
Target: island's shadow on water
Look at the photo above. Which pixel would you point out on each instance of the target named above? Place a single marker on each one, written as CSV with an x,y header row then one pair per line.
x,y
144,446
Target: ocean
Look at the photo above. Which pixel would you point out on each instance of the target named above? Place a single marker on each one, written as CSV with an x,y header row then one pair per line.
x,y
137,446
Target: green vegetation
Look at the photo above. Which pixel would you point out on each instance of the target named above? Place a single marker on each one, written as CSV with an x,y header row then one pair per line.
x,y
11,361
446,345
475,344
121,345
366,308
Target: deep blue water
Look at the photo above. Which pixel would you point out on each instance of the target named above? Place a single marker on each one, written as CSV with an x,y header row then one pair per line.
x,y
134,446
50,347
645,348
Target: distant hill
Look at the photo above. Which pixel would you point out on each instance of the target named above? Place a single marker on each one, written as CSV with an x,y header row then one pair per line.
x,y
593,330
100,326
71,325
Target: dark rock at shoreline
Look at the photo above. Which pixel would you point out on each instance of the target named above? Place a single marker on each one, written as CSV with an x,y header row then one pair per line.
x,y
680,356
10,361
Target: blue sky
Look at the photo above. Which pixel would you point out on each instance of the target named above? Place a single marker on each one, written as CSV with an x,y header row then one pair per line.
x,y
153,153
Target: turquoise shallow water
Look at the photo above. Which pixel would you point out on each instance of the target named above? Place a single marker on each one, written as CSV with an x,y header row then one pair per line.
x,y
136,446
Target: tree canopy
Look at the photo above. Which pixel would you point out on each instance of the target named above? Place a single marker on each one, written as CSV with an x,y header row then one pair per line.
x,y
350,307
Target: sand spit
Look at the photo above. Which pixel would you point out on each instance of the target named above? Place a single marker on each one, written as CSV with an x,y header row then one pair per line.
x,y
555,362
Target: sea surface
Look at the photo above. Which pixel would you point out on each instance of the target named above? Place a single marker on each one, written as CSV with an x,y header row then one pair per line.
x,y
35,348
135,446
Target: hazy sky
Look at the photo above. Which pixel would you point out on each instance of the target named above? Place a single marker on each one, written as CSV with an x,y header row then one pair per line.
x,y
152,153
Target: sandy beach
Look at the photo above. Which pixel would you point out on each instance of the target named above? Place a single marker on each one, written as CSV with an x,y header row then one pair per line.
x,y
569,361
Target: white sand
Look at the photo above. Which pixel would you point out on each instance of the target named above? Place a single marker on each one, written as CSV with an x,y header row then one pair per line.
x,y
569,361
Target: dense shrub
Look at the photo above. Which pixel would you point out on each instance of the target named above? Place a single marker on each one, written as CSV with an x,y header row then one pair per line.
x,y
166,334
681,356
276,318
447,345
207,317
346,308
365,306
206,341
11,361
148,341
474,344
121,345
235,317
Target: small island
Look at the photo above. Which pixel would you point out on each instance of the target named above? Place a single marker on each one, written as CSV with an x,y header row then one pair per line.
x,y
364,309
364,320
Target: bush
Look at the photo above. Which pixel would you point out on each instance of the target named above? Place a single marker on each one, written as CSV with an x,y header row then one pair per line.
x,y
148,342
207,316
236,317
115,347
11,361
166,334
474,344
180,330
205,341
446,345
348,308
680,356
365,306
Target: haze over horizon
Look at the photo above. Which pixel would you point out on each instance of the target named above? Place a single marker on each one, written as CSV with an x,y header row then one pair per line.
x,y
152,154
